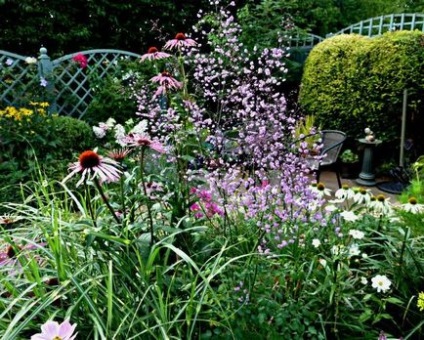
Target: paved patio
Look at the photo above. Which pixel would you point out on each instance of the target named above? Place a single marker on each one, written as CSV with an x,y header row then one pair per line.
x,y
330,180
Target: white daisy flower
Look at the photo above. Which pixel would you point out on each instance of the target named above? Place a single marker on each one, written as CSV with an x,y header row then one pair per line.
x,y
381,283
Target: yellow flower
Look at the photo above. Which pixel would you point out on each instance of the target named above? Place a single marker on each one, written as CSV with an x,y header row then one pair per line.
x,y
420,302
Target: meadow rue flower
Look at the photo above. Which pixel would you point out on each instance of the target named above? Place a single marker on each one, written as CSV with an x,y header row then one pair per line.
x,y
356,234
180,41
420,301
381,283
316,243
413,206
344,193
154,54
349,216
92,165
52,330
81,60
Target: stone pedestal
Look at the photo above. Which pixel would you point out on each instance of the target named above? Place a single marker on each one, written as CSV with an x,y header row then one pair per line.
x,y
367,176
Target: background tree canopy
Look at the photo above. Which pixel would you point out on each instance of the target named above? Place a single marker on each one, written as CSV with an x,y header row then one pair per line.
x,y
67,26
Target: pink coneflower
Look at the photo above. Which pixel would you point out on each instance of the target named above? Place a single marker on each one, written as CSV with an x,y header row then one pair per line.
x,y
136,139
166,80
119,154
90,164
180,41
52,330
80,59
154,54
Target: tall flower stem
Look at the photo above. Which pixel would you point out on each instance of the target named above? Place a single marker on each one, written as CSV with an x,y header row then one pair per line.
x,y
88,201
149,210
105,200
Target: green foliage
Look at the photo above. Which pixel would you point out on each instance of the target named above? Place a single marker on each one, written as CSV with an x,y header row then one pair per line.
x,y
115,94
352,82
37,140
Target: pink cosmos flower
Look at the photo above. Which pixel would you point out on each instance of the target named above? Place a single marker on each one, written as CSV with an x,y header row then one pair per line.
x,y
136,139
80,59
91,165
180,41
154,54
52,330
166,80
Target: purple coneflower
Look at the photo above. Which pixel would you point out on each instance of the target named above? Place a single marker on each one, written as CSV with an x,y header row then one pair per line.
x,y
154,54
167,81
119,154
143,140
52,330
90,164
180,41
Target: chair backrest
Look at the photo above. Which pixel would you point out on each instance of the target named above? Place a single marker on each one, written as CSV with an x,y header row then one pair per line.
x,y
332,141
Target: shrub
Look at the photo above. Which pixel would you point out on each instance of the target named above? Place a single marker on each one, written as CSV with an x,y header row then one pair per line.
x,y
352,81
32,140
114,94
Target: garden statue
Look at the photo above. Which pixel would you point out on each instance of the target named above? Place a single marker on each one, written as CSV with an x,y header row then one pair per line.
x,y
369,135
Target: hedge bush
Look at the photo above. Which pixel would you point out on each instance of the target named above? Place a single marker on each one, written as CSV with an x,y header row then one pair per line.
x,y
35,141
351,82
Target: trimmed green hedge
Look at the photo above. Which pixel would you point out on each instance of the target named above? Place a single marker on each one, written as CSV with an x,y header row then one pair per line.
x,y
351,82
39,142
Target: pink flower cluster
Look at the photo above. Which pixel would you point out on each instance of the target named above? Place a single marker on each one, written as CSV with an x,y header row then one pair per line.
x,y
205,205
81,60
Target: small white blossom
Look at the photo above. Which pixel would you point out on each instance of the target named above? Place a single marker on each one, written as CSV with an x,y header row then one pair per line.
x,y
349,216
381,283
356,234
316,243
364,280
354,250
99,132
323,262
30,60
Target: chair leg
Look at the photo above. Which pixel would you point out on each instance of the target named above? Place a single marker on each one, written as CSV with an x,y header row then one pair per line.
x,y
339,182
317,175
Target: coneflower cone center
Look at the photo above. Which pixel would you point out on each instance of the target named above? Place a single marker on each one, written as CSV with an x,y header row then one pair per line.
x,y
89,159
180,36
152,50
10,252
